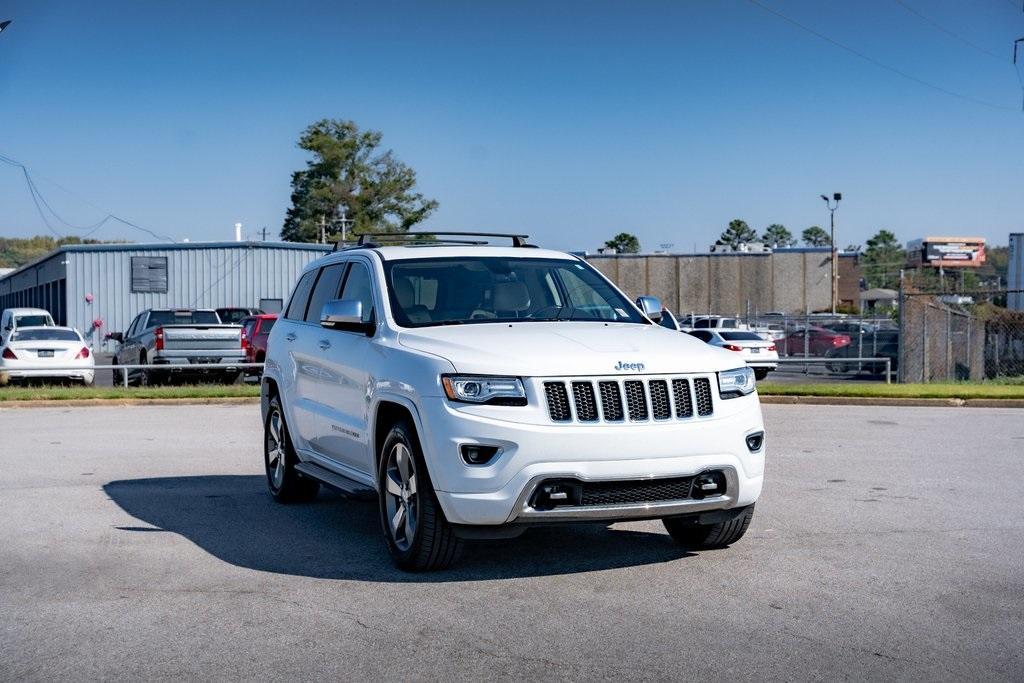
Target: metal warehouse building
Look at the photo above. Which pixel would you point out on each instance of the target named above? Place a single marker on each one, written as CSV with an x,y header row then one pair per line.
x,y
84,284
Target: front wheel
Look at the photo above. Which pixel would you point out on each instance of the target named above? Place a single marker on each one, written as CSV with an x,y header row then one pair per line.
x,y
284,481
415,529
688,533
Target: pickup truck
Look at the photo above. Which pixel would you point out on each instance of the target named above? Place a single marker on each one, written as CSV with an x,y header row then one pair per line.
x,y
178,338
477,390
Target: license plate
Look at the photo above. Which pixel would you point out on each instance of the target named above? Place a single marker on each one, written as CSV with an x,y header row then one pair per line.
x,y
755,350
46,354
206,360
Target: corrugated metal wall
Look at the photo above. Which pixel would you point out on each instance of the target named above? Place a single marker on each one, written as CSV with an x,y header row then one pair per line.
x,y
196,278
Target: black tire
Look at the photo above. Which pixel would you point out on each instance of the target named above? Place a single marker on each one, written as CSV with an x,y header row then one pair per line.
x,y
433,543
760,373
230,378
690,534
284,481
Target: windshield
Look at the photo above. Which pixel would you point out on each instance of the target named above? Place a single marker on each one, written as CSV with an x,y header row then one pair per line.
x,y
182,318
50,334
32,321
477,289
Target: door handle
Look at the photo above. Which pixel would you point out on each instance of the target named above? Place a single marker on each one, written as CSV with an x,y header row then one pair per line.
x,y
290,336
324,344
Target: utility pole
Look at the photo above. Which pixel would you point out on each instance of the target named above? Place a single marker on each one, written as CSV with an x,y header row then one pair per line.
x,y
264,233
836,197
323,230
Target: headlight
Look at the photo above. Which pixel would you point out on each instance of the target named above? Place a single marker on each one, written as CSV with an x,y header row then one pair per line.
x,y
505,391
734,383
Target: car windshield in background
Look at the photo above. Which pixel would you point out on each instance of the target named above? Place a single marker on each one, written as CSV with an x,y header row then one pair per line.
x,y
741,336
45,334
183,318
32,320
478,289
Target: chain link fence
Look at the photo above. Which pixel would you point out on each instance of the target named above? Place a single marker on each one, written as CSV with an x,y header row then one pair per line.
x,y
951,337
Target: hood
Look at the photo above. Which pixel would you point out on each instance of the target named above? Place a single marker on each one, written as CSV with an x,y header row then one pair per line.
x,y
561,349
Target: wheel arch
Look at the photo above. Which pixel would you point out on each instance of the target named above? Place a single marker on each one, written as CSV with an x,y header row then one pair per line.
x,y
387,410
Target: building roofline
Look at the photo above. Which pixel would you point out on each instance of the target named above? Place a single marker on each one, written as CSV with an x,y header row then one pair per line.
x,y
163,246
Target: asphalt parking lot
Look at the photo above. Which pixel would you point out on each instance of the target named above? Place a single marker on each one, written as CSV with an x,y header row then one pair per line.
x,y
139,543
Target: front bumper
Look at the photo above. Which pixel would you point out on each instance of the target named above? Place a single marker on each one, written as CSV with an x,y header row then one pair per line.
x,y
499,492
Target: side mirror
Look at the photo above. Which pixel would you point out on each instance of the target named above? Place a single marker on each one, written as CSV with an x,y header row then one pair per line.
x,y
651,306
116,336
345,314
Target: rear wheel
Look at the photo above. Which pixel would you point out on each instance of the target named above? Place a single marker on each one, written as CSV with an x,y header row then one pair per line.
x,y
760,373
415,529
688,533
284,481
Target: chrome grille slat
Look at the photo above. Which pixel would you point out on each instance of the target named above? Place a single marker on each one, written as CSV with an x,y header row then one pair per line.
x,y
585,401
681,394
558,401
702,389
636,400
611,401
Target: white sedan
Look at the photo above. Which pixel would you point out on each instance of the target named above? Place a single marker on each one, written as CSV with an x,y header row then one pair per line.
x,y
759,353
46,353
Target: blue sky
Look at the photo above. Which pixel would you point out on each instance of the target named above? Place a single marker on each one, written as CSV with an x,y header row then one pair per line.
x,y
567,120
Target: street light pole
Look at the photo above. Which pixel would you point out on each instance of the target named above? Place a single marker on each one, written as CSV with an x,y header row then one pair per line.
x,y
836,197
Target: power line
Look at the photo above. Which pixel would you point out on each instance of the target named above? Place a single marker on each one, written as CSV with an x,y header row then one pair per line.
x,y
40,201
881,65
948,32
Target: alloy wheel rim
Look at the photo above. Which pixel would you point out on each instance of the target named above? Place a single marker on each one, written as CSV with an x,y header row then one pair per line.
x,y
275,450
401,500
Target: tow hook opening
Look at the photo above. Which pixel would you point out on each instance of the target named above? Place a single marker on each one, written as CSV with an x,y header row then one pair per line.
x,y
556,493
708,484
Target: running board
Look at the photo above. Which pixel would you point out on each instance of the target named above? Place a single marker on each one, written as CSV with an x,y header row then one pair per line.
x,y
349,487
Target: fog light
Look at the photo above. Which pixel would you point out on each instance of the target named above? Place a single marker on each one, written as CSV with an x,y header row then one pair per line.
x,y
475,454
755,441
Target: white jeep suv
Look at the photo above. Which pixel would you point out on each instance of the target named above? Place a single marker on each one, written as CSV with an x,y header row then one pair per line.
x,y
474,390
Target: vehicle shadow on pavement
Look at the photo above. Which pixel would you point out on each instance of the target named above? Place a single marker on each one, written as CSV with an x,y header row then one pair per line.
x,y
233,518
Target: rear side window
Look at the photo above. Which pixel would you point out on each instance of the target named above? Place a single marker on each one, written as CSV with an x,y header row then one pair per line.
x,y
703,336
267,325
741,336
326,289
300,297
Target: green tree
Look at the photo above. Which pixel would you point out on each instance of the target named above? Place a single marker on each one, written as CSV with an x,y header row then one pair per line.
x,y
882,259
17,251
624,243
776,235
814,236
350,177
737,233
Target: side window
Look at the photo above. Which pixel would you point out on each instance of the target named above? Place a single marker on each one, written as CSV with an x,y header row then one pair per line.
x,y
667,320
703,336
358,287
133,327
297,305
326,289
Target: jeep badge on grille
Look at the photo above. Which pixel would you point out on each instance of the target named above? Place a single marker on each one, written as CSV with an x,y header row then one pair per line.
x,y
626,367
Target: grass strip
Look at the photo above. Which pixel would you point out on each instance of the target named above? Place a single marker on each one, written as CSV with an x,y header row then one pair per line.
x,y
961,390
57,393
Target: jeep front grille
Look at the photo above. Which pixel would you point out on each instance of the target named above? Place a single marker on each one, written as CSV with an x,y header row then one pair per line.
x,y
635,400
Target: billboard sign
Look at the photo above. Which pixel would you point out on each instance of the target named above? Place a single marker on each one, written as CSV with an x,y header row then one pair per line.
x,y
947,252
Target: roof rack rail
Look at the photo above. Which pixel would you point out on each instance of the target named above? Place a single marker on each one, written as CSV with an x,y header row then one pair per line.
x,y
366,240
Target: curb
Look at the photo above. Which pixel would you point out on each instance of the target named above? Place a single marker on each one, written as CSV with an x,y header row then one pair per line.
x,y
108,402
782,399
